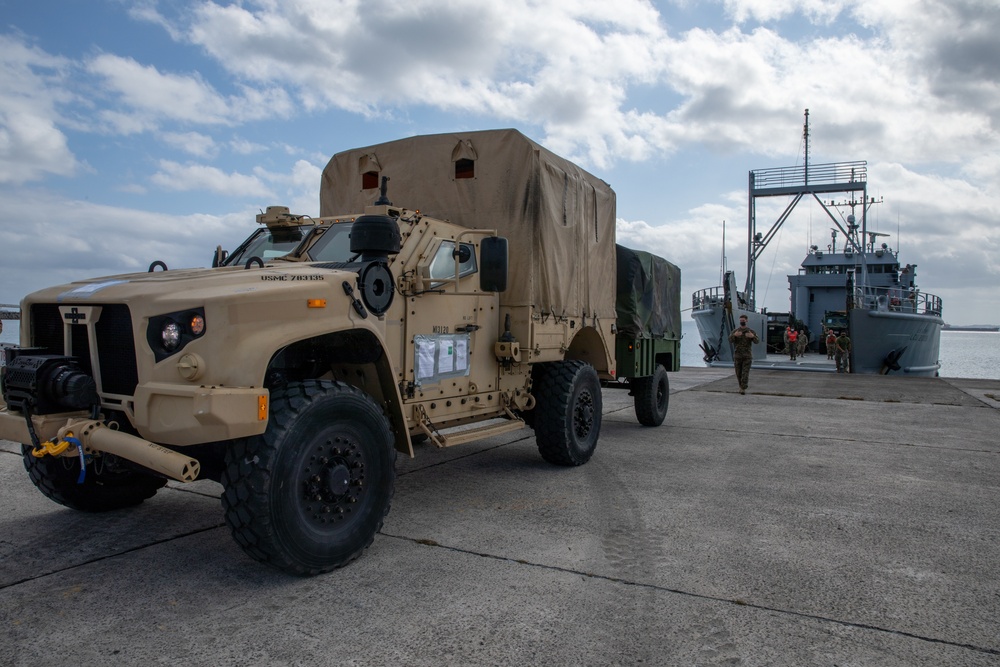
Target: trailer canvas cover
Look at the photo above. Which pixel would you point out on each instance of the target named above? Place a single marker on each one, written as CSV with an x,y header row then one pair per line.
x,y
559,219
649,295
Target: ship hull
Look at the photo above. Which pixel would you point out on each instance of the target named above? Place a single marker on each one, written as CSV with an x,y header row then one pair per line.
x,y
895,343
714,330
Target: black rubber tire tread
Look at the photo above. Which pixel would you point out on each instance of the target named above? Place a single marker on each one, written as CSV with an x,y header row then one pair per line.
x,y
652,397
567,412
267,479
56,478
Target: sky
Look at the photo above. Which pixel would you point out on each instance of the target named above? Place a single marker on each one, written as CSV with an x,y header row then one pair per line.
x,y
134,131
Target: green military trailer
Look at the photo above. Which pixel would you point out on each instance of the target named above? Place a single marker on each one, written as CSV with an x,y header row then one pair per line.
x,y
648,336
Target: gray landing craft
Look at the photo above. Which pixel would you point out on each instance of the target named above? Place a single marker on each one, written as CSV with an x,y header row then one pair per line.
x,y
859,286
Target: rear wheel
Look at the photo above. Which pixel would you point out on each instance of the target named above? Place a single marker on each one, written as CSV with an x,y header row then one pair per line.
x,y
107,483
309,494
652,397
567,414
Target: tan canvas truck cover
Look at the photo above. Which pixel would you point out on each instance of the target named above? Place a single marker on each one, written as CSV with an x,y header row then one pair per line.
x,y
559,219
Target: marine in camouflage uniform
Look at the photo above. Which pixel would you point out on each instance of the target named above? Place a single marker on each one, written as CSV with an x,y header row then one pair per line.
x,y
843,355
742,338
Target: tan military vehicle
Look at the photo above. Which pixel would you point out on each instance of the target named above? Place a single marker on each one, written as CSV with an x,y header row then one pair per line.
x,y
294,380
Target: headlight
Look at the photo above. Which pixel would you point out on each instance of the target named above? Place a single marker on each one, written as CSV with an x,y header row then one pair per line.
x,y
171,336
171,332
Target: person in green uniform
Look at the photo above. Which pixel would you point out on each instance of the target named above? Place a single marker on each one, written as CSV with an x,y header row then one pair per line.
x,y
742,338
843,353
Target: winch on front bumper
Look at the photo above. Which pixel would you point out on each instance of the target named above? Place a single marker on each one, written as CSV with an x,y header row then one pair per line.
x,y
50,399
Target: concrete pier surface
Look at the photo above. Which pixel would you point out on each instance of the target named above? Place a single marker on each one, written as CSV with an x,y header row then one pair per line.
x,y
821,519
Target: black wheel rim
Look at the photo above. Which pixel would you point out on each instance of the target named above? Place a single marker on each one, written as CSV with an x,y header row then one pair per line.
x,y
583,415
332,486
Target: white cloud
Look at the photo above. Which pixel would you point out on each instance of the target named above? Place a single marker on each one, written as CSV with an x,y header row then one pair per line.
x,y
145,10
96,240
300,186
150,96
562,65
245,147
195,143
175,176
820,11
32,84
571,68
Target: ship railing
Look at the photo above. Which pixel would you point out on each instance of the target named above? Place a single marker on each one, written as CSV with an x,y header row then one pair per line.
x,y
708,298
898,300
815,174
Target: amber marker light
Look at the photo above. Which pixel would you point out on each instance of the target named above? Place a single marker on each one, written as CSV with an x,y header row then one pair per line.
x,y
197,325
261,408
316,303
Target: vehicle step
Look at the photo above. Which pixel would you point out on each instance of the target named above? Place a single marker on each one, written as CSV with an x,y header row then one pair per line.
x,y
458,435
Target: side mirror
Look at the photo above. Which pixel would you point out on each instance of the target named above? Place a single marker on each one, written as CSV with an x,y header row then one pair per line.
x,y
493,264
220,256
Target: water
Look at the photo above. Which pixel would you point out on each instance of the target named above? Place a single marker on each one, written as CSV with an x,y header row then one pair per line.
x,y
970,354
964,354
9,333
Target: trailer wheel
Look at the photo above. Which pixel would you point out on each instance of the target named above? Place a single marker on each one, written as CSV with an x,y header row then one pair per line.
x,y
567,418
309,494
652,397
105,487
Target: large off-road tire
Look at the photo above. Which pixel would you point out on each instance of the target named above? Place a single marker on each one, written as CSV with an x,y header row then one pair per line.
x,y
567,417
105,486
652,397
309,494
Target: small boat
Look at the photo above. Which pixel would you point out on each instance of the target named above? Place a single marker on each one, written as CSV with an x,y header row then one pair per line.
x,y
860,287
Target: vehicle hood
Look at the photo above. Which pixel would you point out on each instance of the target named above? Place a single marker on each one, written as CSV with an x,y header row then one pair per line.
x,y
194,284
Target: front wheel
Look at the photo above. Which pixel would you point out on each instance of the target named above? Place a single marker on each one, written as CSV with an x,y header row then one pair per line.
x,y
107,484
567,418
309,494
652,397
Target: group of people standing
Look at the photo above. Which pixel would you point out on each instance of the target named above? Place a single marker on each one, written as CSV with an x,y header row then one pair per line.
x,y
795,342
838,347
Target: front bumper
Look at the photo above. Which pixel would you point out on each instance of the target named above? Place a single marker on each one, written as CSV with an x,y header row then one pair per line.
x,y
169,414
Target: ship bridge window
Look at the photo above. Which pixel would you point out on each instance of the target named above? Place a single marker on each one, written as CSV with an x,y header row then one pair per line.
x,y
369,180
465,168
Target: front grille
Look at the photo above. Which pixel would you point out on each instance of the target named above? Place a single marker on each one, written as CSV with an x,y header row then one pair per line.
x,y
115,344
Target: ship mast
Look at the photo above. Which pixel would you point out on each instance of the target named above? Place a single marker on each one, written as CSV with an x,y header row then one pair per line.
x,y
805,143
798,182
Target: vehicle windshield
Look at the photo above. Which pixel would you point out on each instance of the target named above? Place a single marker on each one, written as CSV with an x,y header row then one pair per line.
x,y
268,244
331,243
